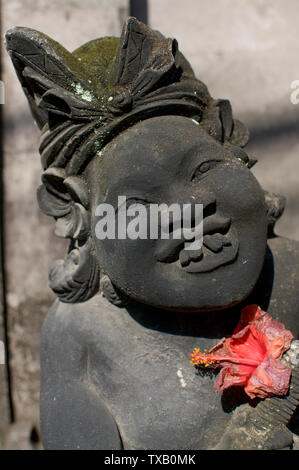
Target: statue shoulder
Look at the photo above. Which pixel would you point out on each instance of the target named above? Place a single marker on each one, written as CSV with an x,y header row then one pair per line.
x,y
286,255
75,319
72,331
282,245
285,288
73,414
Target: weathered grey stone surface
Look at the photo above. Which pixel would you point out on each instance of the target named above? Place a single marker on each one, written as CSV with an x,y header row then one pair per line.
x,y
91,397
248,53
30,243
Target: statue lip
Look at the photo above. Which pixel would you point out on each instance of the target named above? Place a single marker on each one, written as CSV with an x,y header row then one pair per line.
x,y
210,261
220,247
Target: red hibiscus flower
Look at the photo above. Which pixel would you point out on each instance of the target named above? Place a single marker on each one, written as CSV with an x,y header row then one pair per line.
x,y
251,356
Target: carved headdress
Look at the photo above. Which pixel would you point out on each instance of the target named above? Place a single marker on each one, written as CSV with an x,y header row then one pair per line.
x,y
81,100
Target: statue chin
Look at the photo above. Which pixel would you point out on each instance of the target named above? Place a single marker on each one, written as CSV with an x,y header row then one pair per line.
x,y
208,292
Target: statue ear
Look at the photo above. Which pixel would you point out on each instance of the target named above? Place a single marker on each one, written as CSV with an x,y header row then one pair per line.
x,y
233,130
76,278
54,82
275,207
65,199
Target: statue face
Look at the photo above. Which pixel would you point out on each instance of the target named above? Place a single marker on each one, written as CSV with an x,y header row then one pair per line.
x,y
171,159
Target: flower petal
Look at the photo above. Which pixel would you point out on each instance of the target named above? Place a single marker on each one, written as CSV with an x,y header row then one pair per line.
x,y
222,348
250,314
250,357
270,378
277,337
231,375
251,345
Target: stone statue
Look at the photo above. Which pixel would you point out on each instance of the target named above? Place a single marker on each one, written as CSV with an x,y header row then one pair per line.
x,y
128,117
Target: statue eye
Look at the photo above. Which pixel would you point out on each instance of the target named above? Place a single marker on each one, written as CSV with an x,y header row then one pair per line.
x,y
134,201
131,203
204,167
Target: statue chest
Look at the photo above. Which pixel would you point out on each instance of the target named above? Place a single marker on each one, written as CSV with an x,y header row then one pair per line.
x,y
153,392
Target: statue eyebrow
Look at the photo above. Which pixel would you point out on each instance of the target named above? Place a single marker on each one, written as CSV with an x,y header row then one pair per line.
x,y
197,157
191,156
140,189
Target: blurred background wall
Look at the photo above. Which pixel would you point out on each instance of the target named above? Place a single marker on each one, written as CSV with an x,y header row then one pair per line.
x,y
244,51
247,51
29,243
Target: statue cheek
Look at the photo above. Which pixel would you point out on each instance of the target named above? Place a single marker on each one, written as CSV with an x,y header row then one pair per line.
x,y
238,194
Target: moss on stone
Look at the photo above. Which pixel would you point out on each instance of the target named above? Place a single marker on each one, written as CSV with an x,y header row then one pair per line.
x,y
98,57
92,64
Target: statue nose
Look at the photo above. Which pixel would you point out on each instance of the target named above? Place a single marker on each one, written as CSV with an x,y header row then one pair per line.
x,y
213,221
169,250
190,212
207,201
